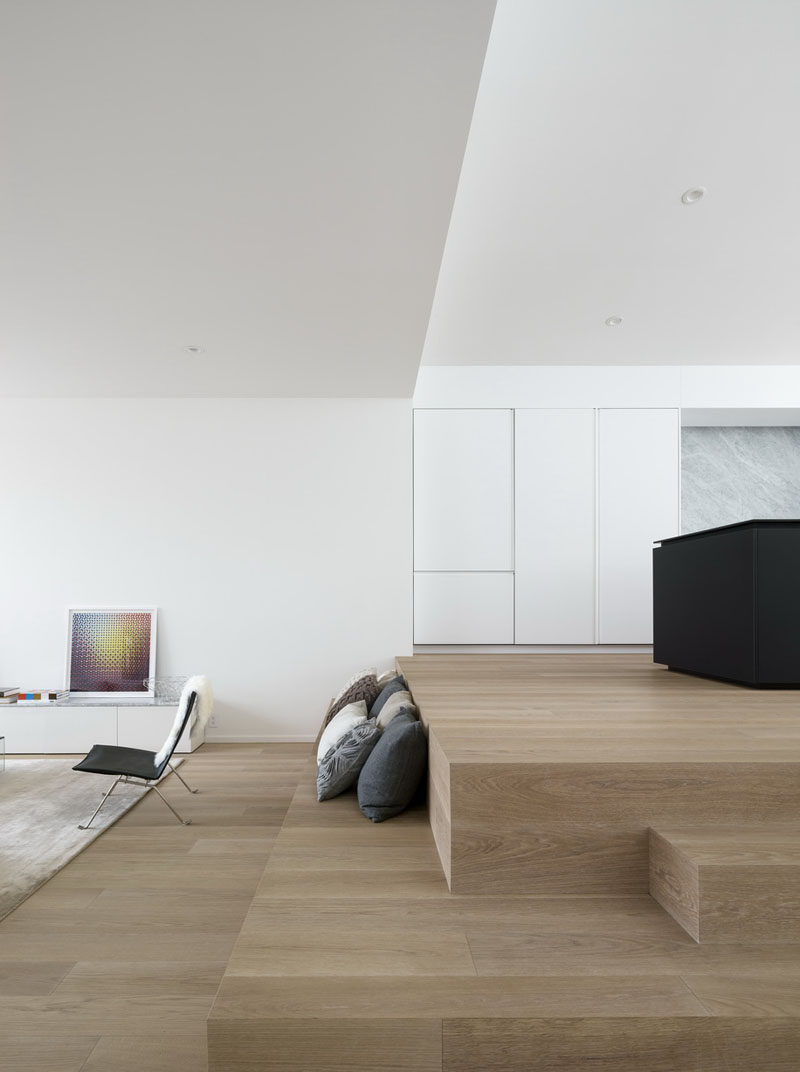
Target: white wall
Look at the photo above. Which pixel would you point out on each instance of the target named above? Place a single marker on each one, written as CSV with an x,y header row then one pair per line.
x,y
274,535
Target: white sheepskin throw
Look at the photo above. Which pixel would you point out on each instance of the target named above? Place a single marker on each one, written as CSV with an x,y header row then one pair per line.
x,y
201,713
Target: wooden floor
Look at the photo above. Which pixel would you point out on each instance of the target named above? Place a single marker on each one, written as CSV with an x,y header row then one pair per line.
x,y
355,954
302,936
113,965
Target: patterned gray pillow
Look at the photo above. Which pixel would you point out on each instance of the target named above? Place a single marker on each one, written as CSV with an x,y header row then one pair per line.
x,y
341,765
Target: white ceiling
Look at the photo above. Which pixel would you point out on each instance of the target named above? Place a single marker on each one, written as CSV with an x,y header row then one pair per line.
x,y
271,181
593,116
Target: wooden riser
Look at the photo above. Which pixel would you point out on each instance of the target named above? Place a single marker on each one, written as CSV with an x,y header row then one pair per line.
x,y
722,884
619,1045
325,1045
674,883
506,1044
544,828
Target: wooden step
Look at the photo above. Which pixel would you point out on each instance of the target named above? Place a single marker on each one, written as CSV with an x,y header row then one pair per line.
x,y
729,883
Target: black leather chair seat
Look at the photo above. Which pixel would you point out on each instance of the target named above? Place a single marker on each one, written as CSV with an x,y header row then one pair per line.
x,y
114,759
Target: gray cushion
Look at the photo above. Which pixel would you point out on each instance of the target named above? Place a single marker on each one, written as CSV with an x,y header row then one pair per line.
x,y
390,777
341,765
397,684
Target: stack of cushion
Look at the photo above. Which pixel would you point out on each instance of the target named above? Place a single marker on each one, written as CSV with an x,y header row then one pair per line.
x,y
378,743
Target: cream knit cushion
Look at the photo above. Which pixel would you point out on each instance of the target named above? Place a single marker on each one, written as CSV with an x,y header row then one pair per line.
x,y
397,702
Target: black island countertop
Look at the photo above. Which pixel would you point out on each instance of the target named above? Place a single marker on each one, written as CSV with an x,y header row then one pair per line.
x,y
769,522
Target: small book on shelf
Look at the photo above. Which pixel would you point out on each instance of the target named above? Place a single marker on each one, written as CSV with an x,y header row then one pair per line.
x,y
42,695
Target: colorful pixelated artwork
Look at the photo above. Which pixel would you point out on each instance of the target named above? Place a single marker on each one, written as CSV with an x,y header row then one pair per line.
x,y
111,650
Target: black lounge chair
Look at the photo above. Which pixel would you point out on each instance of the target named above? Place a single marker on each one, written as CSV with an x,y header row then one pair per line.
x,y
137,765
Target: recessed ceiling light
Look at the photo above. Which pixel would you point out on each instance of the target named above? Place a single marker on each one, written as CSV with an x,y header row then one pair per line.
x,y
697,193
192,349
613,321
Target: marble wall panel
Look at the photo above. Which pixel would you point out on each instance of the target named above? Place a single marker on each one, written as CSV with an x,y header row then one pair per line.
x,y
733,474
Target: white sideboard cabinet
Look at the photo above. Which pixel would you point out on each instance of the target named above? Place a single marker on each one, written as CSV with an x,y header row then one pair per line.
x,y
72,726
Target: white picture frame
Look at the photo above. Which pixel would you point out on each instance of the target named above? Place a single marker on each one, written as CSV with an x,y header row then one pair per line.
x,y
107,647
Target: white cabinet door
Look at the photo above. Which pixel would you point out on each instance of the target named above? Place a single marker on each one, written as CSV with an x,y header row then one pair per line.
x,y
638,503
463,489
76,729
555,526
23,728
464,608
147,727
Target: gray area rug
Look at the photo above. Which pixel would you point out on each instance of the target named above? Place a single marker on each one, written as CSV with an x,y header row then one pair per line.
x,y
41,803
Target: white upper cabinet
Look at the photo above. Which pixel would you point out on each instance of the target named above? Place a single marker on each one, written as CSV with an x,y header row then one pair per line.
x,y
555,526
638,503
463,489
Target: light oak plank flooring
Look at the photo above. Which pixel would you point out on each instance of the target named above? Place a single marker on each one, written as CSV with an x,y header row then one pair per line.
x,y
113,965
343,947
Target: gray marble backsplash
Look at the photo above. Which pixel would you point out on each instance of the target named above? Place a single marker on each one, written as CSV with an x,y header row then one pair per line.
x,y
732,474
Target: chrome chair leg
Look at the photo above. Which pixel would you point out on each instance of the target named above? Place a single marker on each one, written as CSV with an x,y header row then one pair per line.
x,y
186,822
180,779
102,802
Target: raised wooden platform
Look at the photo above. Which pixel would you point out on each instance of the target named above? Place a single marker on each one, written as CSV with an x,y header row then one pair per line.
x,y
546,772
354,954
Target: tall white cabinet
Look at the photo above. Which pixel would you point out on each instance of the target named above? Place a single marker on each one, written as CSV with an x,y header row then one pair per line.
x,y
535,526
638,492
463,489
464,526
555,526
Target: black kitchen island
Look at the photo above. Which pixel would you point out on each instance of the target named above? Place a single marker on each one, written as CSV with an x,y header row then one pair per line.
x,y
726,602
